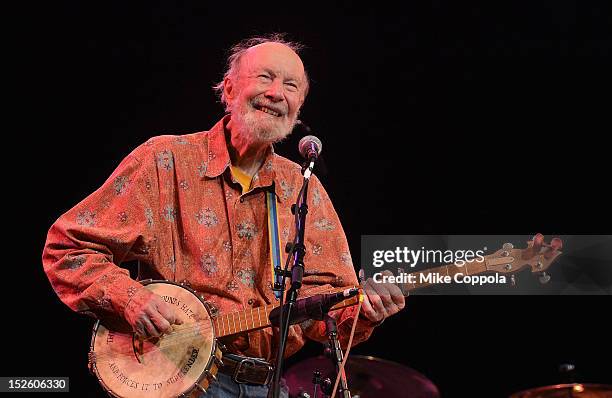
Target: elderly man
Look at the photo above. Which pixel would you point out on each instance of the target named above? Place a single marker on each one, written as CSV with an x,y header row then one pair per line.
x,y
192,209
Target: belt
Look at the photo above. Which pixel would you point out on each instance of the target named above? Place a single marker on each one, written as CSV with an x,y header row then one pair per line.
x,y
247,370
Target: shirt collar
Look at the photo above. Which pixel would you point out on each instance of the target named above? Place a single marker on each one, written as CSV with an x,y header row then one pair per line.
x,y
219,160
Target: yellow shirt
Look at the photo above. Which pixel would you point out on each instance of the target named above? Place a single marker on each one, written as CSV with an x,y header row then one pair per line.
x,y
242,178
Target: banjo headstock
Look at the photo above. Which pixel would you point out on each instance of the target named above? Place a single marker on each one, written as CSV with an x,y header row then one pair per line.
x,y
538,256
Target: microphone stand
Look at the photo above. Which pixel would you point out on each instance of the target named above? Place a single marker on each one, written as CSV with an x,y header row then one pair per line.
x,y
298,251
335,354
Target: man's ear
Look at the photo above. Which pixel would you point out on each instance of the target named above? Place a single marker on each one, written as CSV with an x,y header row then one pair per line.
x,y
228,89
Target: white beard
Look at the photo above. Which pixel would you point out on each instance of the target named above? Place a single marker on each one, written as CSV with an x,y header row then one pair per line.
x,y
259,130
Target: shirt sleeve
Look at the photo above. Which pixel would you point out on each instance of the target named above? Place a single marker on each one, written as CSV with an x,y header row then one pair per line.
x,y
114,224
329,264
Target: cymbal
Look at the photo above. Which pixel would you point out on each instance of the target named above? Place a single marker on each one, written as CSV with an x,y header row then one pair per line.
x,y
367,377
574,390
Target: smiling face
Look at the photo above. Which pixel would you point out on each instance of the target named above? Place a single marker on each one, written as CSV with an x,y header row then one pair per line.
x,y
265,94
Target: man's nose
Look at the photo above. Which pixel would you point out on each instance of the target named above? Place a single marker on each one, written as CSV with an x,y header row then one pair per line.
x,y
274,91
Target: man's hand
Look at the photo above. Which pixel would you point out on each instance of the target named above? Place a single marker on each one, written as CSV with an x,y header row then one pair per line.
x,y
149,315
381,300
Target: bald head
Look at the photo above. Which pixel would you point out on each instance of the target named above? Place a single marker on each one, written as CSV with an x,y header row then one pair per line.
x,y
279,61
272,43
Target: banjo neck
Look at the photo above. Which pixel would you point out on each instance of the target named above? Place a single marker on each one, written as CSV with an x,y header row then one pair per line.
x,y
258,318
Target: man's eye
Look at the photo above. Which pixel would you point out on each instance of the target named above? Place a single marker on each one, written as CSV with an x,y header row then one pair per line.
x,y
264,77
292,86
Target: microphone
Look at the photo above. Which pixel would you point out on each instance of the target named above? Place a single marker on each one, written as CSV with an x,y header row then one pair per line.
x,y
310,147
314,307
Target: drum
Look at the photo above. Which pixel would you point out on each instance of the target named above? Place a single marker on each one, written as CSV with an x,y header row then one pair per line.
x,y
367,377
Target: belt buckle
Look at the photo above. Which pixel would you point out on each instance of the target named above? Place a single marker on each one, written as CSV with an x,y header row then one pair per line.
x,y
253,362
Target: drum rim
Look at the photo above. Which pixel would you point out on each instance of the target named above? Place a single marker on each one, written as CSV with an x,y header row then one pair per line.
x,y
536,390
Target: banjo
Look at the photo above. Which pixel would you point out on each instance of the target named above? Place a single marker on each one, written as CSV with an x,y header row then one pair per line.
x,y
185,361
181,363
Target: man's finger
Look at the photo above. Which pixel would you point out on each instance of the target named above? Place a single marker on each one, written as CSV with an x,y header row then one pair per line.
x,y
149,327
169,313
376,301
368,311
140,330
382,291
160,322
396,293
391,292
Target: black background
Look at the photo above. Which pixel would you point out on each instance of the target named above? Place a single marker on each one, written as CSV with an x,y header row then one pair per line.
x,y
437,118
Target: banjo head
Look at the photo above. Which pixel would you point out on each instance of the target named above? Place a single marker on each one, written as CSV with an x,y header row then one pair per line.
x,y
170,366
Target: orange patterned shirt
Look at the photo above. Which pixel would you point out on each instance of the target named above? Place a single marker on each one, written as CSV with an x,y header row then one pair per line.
x,y
173,205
